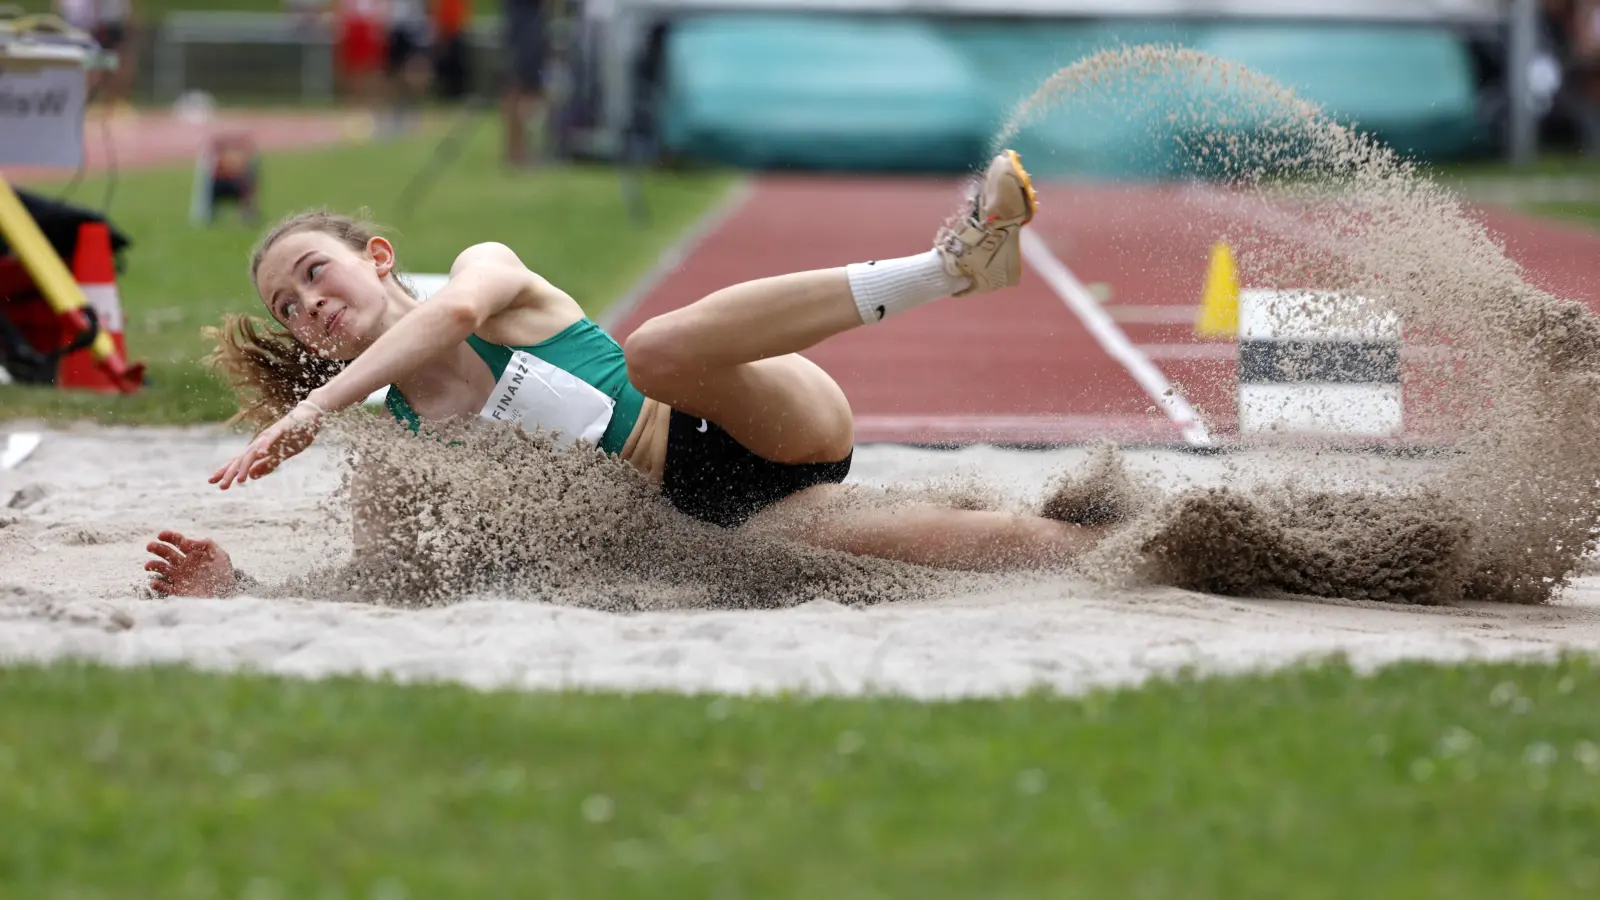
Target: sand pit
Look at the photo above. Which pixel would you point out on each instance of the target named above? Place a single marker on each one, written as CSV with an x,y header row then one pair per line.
x,y
75,516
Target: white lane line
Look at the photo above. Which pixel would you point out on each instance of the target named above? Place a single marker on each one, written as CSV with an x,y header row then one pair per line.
x,y
1112,339
1162,314
1190,351
674,256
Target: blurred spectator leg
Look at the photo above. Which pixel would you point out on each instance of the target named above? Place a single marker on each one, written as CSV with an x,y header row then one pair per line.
x,y
1585,43
115,32
525,41
406,67
450,69
361,43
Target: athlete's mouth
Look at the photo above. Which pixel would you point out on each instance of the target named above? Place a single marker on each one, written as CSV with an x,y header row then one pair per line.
x,y
333,320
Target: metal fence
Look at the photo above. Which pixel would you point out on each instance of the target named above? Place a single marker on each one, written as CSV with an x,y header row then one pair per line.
x,y
239,56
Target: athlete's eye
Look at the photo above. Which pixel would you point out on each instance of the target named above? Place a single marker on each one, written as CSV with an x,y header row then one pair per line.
x,y
315,268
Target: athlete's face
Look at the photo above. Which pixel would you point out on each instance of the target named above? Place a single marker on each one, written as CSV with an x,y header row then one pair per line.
x,y
330,297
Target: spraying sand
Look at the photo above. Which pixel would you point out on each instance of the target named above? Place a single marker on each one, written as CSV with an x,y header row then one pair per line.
x,y
516,563
1515,386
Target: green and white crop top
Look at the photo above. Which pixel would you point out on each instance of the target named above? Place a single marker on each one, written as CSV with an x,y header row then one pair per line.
x,y
575,384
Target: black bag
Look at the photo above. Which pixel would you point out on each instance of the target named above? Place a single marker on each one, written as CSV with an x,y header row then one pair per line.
x,y
59,221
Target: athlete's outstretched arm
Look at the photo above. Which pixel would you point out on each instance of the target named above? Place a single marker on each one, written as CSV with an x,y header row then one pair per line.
x,y
484,280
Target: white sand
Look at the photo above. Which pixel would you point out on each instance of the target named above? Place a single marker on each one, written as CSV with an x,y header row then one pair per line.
x,y
75,516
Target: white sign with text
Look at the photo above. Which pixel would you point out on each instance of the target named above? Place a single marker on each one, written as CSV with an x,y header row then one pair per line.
x,y
41,113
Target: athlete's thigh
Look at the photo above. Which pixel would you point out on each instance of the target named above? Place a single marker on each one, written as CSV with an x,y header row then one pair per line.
x,y
786,409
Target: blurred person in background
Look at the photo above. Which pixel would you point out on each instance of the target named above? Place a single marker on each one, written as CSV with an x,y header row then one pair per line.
x,y
1583,24
1560,79
525,40
112,24
1571,28
408,65
451,60
360,33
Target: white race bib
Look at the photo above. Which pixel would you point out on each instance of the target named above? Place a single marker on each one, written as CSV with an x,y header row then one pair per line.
x,y
537,395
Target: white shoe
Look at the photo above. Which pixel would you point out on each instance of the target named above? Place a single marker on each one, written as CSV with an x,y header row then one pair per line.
x,y
985,246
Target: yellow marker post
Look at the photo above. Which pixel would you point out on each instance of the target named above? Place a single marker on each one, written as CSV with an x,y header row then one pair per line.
x,y
50,274
1219,305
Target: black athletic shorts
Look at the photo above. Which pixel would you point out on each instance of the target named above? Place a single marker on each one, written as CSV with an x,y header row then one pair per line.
x,y
712,477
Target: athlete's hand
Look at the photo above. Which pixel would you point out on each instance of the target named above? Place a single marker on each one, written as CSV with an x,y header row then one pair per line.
x,y
283,439
189,567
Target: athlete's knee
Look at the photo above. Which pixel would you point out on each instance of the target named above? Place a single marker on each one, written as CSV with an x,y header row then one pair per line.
x,y
656,355
1060,542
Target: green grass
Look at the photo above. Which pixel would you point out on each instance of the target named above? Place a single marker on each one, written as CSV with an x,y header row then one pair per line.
x,y
569,223
1545,165
1426,781
1553,165
1581,213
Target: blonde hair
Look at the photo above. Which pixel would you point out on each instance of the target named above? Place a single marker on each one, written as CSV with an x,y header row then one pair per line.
x,y
270,372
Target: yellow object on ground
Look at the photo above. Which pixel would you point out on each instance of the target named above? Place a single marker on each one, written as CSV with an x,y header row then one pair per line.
x,y
1219,306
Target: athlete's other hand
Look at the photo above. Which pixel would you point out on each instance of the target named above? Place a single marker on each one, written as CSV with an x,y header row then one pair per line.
x,y
283,439
189,567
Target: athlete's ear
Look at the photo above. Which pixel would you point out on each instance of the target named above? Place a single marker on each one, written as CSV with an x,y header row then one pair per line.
x,y
382,253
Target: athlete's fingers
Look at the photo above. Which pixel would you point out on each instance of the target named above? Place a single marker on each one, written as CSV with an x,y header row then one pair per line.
x,y
225,474
259,451
160,568
230,474
196,545
273,455
166,552
172,537
240,466
262,467
258,458
161,586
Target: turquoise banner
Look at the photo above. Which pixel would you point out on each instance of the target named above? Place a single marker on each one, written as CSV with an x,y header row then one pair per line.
x,y
879,94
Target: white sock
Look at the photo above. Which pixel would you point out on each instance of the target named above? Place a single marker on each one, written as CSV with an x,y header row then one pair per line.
x,y
885,287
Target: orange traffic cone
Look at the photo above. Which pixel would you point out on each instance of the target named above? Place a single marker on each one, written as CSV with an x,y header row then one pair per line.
x,y
95,269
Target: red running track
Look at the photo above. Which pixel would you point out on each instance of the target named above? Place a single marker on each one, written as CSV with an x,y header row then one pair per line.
x,y
149,138
1054,360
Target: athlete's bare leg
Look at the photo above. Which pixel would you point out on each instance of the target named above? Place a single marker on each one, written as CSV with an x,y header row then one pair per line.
x,y
925,535
731,357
